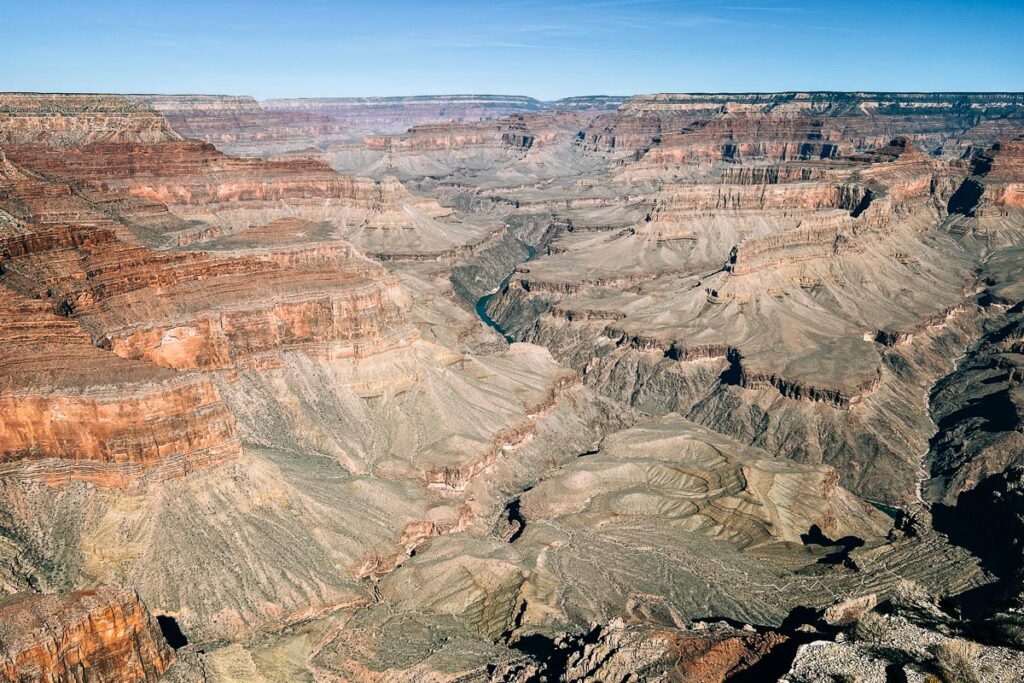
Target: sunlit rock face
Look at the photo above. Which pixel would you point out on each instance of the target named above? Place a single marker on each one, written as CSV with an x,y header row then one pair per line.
x,y
88,635
485,388
68,120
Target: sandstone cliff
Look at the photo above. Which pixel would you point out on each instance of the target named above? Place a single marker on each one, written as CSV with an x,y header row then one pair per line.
x,y
89,635
78,119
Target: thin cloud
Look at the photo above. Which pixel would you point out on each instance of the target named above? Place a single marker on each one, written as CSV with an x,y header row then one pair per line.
x,y
838,29
734,8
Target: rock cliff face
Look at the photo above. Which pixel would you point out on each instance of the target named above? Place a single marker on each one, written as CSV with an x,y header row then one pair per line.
x,y
89,635
71,411
988,204
74,411
144,304
78,119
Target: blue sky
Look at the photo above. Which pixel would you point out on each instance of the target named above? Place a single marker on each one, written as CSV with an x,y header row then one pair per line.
x,y
544,48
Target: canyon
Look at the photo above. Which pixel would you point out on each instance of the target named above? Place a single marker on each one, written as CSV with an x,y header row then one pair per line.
x,y
674,387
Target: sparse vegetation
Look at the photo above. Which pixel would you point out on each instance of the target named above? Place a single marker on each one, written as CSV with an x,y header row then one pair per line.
x,y
872,627
955,661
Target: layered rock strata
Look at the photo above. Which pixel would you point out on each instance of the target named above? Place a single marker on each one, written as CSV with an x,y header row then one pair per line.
x,y
78,119
766,291
89,635
706,277
146,304
796,124
73,411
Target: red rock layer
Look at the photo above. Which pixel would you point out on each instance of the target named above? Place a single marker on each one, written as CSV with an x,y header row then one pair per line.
x,y
718,655
71,411
89,635
140,183
75,276
192,172
189,309
999,172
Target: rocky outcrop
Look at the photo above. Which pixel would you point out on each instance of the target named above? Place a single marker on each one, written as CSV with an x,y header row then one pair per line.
x,y
63,120
703,653
909,637
89,635
999,171
989,202
836,396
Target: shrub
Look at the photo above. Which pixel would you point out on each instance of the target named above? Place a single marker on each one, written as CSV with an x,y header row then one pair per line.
x,y
954,659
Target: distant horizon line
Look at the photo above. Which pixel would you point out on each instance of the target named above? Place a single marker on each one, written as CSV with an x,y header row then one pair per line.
x,y
525,97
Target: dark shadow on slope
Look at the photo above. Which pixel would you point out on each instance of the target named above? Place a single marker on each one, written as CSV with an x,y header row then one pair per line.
x,y
865,202
171,631
965,200
551,656
995,412
815,536
516,519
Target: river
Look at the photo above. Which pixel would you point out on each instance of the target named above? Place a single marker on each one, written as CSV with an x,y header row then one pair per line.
x,y
481,303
